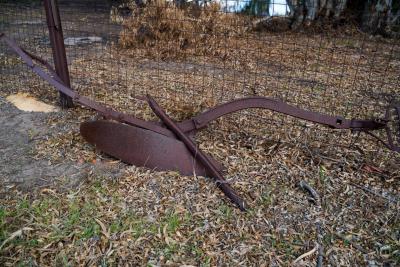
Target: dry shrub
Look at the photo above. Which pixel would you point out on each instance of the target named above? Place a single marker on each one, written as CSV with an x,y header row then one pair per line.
x,y
171,30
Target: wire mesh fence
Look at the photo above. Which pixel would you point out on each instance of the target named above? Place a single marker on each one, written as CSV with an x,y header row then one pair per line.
x,y
26,23
194,55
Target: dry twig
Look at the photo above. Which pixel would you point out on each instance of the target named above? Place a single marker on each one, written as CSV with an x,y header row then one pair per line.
x,y
305,186
306,254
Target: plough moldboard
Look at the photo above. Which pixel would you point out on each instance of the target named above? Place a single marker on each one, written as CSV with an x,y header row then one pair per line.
x,y
169,145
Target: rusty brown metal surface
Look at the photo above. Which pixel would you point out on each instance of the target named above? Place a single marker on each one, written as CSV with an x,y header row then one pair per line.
x,y
337,122
57,43
141,147
196,152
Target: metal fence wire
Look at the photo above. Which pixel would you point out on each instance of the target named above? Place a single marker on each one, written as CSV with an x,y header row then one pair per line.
x,y
192,56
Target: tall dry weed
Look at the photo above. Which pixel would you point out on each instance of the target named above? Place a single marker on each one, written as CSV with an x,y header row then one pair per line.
x,y
173,32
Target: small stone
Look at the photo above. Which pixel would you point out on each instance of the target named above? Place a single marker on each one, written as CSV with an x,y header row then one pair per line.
x,y
82,40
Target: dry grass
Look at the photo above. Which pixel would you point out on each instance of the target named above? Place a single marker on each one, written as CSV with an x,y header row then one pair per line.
x,y
161,218
164,30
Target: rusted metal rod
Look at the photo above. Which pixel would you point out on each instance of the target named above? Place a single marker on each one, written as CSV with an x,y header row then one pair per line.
x,y
58,47
197,153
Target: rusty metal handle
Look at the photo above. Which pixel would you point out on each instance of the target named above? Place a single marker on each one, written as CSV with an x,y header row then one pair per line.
x,y
336,122
197,153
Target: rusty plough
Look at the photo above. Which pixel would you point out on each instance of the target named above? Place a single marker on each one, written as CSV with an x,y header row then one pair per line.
x,y
169,146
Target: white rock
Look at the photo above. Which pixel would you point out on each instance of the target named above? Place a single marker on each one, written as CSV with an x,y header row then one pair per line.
x,y
82,40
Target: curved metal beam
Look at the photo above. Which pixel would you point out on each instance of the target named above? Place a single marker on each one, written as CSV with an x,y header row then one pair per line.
x,y
337,122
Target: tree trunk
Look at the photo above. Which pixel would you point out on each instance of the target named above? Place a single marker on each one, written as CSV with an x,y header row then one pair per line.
x,y
375,16
381,17
307,11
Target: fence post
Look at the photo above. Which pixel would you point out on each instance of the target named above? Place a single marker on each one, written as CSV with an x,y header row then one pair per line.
x,y
58,47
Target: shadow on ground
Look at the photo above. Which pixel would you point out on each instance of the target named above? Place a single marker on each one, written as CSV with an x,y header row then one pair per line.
x,y
18,167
